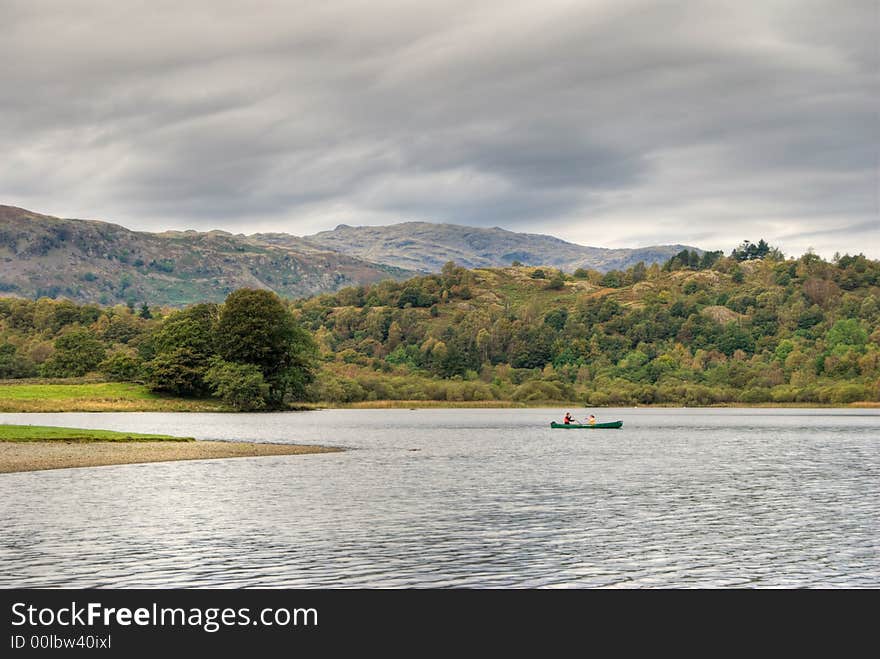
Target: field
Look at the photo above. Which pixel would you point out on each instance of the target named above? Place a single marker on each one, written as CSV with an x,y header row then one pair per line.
x,y
35,396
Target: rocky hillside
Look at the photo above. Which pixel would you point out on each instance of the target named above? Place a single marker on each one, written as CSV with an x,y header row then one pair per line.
x,y
426,247
88,261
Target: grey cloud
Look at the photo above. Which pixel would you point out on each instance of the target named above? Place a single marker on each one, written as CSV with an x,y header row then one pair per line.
x,y
607,122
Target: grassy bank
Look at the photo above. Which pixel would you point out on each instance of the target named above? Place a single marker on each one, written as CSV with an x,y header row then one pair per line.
x,y
37,448
425,404
15,433
79,396
57,396
503,404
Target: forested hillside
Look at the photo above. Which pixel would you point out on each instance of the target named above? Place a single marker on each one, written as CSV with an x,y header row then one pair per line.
x,y
702,329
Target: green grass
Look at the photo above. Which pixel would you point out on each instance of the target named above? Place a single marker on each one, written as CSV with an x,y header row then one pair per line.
x,y
95,397
11,433
123,390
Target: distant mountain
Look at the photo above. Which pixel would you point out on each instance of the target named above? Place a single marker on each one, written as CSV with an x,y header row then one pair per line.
x,y
91,261
425,247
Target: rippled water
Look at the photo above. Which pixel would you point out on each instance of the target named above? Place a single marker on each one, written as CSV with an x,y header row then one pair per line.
x,y
484,498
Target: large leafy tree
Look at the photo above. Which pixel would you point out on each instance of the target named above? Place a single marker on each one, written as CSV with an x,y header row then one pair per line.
x,y
184,347
191,328
255,327
76,353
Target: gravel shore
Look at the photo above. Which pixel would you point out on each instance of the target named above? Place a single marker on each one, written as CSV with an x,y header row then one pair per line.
x,y
35,456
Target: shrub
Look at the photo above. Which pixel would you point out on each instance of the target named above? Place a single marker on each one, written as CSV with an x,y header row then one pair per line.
x,y
536,390
755,395
121,367
14,365
841,394
557,283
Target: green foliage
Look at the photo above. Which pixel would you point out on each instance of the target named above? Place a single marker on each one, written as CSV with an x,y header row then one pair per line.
x,y
691,287
415,297
239,385
163,265
191,328
14,365
179,371
556,318
797,331
613,279
76,354
691,260
535,391
122,367
556,283
709,259
256,328
184,347
15,433
810,317
748,251
847,334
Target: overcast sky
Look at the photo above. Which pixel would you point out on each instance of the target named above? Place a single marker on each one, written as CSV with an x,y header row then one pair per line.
x,y
618,123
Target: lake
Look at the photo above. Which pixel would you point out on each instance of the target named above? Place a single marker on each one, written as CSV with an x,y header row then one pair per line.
x,y
477,498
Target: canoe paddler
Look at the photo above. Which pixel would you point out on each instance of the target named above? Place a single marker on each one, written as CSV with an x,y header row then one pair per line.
x,y
591,420
567,419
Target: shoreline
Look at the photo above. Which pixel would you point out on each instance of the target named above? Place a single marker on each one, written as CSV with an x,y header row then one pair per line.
x,y
112,408
18,457
61,407
86,395
501,404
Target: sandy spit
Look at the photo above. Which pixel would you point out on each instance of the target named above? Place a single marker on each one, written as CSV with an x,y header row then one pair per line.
x,y
35,456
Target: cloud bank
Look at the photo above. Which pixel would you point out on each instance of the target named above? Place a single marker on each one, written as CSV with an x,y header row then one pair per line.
x,y
610,123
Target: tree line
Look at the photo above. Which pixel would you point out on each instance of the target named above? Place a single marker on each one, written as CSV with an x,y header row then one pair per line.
x,y
697,330
250,351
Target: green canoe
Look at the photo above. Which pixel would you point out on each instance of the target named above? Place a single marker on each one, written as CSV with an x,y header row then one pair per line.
x,y
610,424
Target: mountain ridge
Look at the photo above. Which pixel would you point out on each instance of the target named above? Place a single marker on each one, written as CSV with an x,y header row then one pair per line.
x,y
426,246
98,261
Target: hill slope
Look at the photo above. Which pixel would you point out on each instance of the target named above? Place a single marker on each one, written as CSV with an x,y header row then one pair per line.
x,y
426,247
797,332
803,331
91,261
